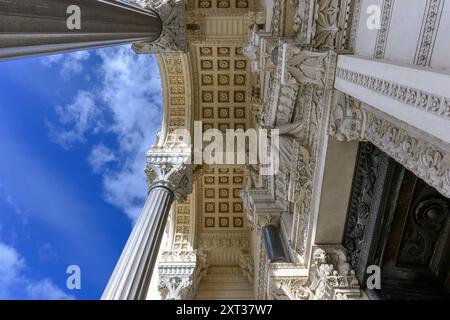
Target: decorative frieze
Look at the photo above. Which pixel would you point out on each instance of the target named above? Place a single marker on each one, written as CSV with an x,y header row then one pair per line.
x,y
428,33
300,65
435,104
383,32
356,121
426,160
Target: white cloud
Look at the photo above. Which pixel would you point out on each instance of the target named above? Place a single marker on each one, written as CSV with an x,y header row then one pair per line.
x,y
129,91
15,284
46,290
99,157
11,265
70,63
76,119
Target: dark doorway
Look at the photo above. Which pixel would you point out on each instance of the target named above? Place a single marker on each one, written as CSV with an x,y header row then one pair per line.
x,y
398,222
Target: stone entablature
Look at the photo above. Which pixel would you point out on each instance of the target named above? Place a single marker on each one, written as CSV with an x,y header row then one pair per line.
x,y
353,120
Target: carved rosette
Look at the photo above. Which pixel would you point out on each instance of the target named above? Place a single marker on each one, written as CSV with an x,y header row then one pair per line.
x,y
173,35
170,169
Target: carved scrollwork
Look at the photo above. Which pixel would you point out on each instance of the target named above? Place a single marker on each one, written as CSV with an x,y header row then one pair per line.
x,y
426,160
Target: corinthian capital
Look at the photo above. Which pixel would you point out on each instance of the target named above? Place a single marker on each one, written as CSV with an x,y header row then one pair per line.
x,y
177,275
171,169
173,35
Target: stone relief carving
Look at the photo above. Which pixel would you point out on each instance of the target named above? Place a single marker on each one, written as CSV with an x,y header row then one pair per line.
x,y
246,264
347,119
177,275
238,241
276,25
302,66
427,161
304,25
300,193
173,36
330,278
364,205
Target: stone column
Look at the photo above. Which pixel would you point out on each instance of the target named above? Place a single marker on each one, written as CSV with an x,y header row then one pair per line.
x,y
33,27
171,178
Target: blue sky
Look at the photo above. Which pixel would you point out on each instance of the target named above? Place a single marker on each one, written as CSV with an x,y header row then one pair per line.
x,y
74,130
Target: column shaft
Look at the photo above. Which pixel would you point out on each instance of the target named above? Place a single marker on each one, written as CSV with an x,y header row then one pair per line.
x,y
132,274
33,27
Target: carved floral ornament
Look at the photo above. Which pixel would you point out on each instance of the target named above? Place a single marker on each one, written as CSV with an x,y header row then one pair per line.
x,y
170,169
352,120
179,274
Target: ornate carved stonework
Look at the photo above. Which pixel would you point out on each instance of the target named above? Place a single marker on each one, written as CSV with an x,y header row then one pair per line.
x,y
330,278
300,193
383,32
177,275
357,121
326,24
300,65
246,264
170,168
371,185
173,36
435,104
426,160
347,120
430,27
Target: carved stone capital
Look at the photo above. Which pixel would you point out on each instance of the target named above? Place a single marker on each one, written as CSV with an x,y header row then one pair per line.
x,y
171,169
347,119
173,35
177,275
